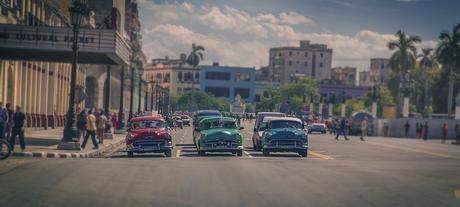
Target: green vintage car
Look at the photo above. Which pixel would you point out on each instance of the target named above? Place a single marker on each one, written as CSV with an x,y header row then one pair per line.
x,y
218,134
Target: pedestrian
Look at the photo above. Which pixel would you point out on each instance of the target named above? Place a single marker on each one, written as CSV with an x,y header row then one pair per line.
x,y
332,131
457,132
115,121
9,123
108,124
407,128
18,128
101,127
81,125
417,128
425,131
445,130
90,130
3,120
342,129
385,129
363,129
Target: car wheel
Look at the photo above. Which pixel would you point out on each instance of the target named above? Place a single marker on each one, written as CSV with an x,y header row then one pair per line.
x,y
239,153
265,152
168,153
303,153
202,153
130,154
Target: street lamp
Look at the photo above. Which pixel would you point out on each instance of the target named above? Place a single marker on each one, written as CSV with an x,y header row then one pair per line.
x,y
140,72
69,141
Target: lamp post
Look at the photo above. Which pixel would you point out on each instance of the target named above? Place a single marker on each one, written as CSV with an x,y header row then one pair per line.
x,y
140,72
69,140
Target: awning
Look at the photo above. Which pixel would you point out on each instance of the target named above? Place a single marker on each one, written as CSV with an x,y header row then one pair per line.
x,y
54,44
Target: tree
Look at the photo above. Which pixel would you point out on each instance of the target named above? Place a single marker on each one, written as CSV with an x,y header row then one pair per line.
x,y
295,94
426,63
448,53
404,56
269,102
383,97
196,55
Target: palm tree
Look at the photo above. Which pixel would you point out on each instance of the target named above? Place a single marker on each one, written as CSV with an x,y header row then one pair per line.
x,y
448,53
426,63
403,58
194,59
196,56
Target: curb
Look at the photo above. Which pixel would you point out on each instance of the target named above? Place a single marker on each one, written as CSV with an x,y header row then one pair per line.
x,y
91,154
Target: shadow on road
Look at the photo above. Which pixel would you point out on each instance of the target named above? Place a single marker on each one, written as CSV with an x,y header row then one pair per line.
x,y
147,155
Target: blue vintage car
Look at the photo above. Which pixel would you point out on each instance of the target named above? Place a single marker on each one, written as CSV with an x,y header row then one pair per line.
x,y
284,134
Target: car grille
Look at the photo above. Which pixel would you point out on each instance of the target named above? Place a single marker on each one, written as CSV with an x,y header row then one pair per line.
x,y
148,142
221,143
286,143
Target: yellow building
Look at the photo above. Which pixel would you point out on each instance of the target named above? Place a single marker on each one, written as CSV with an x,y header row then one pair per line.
x,y
40,88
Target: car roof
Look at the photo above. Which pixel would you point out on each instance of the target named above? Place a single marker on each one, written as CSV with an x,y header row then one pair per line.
x,y
319,124
212,118
269,119
270,113
147,118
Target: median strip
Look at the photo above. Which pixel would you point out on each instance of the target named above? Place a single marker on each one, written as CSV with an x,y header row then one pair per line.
x,y
412,150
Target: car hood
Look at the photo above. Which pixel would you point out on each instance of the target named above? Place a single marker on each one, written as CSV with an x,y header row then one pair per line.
x,y
220,133
149,132
286,133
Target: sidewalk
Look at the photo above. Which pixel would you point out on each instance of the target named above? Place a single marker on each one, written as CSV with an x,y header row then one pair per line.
x,y
43,144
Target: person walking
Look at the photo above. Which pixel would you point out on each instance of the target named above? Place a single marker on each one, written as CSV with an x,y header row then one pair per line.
x,y
9,123
18,129
341,129
108,124
417,128
3,120
425,131
115,121
445,130
407,128
101,126
457,132
81,125
90,130
363,129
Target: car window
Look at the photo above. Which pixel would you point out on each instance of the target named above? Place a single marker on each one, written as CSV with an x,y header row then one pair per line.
x,y
285,124
229,125
147,124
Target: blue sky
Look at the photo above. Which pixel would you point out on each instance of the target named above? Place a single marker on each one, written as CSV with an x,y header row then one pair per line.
x,y
240,32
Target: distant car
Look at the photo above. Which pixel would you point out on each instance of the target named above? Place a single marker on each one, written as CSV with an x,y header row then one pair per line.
x,y
203,113
186,120
148,134
318,128
284,135
355,123
219,134
259,127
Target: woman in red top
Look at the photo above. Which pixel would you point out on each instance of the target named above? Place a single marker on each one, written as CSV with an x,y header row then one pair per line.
x,y
115,121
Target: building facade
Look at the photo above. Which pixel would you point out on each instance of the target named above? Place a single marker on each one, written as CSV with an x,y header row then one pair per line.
x,y
227,82
174,74
335,90
345,75
380,70
40,88
310,60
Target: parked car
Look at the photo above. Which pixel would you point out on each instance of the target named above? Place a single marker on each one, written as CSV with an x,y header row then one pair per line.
x,y
355,123
317,127
284,135
259,127
219,134
187,121
148,134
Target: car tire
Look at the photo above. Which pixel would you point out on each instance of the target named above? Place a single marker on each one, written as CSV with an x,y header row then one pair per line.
x,y
303,153
239,153
168,153
265,152
202,153
130,154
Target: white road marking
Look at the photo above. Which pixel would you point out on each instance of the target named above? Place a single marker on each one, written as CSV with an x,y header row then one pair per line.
x,y
178,153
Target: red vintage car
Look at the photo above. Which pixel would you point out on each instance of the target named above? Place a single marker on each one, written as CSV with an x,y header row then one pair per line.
x,y
148,134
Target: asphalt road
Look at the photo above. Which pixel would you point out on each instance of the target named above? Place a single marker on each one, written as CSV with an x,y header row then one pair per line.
x,y
377,172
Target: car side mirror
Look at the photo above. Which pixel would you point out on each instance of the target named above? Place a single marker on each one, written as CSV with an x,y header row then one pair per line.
x,y
241,128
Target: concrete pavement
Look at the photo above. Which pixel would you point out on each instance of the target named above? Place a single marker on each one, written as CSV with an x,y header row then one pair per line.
x,y
378,172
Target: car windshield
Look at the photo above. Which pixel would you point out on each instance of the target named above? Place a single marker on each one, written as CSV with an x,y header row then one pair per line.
x,y
219,124
209,114
285,124
147,124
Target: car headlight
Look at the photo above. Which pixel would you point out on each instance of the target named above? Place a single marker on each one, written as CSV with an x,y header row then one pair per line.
x,y
239,138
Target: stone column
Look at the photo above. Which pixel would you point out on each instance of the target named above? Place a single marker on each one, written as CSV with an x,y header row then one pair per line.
x,y
330,108
374,109
405,112
342,111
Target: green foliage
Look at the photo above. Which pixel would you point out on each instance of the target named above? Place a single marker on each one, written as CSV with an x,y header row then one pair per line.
x,y
352,105
196,56
201,101
270,103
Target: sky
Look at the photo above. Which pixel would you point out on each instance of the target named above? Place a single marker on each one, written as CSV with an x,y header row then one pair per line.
x,y
241,32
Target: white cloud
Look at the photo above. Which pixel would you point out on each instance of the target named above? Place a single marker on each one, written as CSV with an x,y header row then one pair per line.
x,y
235,37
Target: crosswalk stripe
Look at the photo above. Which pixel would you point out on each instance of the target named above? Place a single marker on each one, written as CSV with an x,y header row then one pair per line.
x,y
325,157
248,154
178,153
